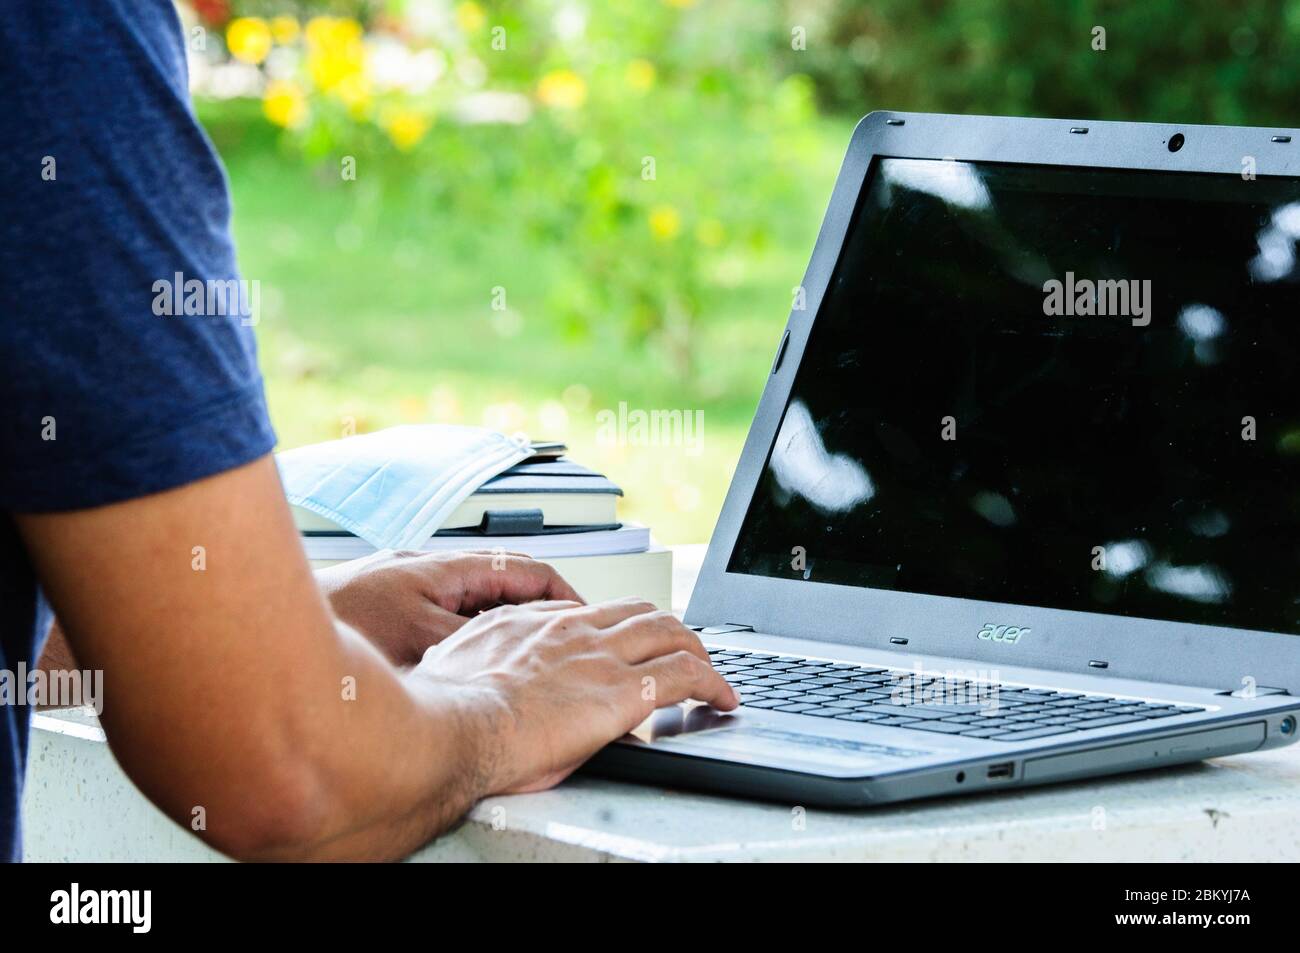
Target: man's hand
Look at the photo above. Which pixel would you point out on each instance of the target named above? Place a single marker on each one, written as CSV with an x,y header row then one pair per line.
x,y
405,602
565,679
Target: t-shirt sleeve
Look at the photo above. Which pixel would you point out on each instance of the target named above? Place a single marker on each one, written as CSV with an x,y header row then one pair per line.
x,y
126,331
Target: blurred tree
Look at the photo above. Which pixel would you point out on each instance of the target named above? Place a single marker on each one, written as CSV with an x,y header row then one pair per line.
x,y
1207,61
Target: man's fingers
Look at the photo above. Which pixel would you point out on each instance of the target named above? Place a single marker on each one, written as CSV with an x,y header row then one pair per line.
x,y
674,678
486,580
435,625
549,605
642,637
555,605
605,615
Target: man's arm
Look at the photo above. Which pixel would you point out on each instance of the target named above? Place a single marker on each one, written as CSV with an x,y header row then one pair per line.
x,y
225,685
404,602
230,688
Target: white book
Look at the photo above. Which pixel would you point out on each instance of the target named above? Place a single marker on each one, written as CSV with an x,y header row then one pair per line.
x,y
560,509
628,538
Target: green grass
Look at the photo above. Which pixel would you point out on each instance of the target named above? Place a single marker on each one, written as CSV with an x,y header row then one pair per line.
x,y
376,310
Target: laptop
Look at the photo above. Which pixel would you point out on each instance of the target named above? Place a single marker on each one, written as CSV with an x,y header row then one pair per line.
x,y
1021,499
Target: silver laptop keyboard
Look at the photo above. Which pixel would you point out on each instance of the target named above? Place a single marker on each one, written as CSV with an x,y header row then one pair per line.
x,y
902,698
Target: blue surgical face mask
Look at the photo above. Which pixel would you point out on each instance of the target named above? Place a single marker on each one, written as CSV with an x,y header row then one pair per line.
x,y
395,488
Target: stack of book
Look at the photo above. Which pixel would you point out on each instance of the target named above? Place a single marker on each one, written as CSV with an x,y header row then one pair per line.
x,y
547,507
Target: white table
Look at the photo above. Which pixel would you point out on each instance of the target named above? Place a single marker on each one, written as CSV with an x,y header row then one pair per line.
x,y
79,806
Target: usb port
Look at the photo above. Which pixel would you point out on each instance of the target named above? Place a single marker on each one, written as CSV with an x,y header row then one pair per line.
x,y
1000,772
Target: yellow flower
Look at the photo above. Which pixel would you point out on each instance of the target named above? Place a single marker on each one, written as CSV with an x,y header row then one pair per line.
x,y
470,17
336,52
319,29
710,233
562,89
354,92
640,75
405,127
665,222
248,39
284,29
327,30
284,103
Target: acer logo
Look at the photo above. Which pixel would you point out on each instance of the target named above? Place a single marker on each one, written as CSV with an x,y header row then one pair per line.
x,y
1010,634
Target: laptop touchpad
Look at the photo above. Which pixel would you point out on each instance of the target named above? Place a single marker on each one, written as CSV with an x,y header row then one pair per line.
x,y
703,731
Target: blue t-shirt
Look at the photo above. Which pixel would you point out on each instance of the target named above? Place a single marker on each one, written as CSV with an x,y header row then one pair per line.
x,y
110,197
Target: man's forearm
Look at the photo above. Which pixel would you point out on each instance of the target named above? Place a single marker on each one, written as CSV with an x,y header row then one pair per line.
x,y
399,770
439,791
431,768
384,766
57,655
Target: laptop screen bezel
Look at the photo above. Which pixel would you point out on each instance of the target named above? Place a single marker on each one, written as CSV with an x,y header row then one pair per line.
x,y
1060,639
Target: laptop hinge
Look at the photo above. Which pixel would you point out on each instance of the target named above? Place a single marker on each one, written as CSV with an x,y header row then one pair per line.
x,y
725,627
1253,691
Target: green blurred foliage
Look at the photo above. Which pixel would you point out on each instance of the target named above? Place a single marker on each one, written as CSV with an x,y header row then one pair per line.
x,y
645,216
1196,61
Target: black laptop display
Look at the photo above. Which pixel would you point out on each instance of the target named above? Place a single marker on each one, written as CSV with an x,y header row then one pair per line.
x,y
956,429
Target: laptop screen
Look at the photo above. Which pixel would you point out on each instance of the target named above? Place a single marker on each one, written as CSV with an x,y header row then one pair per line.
x,y
1048,386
